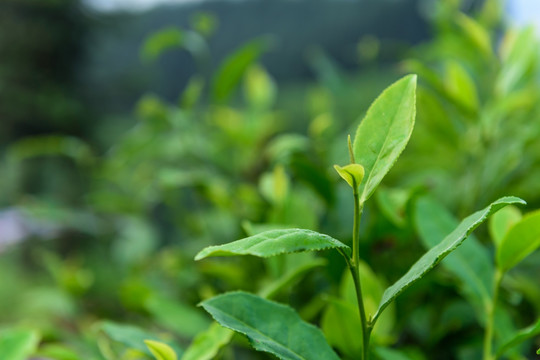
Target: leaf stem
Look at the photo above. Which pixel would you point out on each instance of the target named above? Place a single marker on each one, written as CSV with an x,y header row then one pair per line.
x,y
355,272
490,321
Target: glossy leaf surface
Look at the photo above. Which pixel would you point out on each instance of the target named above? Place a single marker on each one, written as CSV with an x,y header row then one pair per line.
x,y
274,242
384,132
270,326
439,252
520,241
470,263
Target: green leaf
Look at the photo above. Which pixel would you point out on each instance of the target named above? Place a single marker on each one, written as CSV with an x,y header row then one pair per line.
x,y
439,252
161,351
206,345
501,222
352,174
131,336
470,263
233,68
161,41
476,33
176,316
520,241
18,344
384,132
275,242
460,86
270,326
519,337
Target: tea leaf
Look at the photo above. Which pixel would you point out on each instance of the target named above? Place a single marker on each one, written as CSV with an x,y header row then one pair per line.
x,y
470,263
161,351
270,326
274,242
520,337
439,252
206,345
520,241
352,174
384,132
18,344
460,86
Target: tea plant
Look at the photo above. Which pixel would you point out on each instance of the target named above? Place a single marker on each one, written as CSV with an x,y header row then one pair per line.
x,y
271,327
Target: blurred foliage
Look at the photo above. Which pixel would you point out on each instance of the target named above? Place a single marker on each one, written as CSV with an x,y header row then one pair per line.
x,y
112,235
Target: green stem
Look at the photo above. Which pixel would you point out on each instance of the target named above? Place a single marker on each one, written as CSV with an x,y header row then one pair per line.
x,y
355,272
490,321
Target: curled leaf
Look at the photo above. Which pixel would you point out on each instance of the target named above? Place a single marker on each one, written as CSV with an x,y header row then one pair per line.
x,y
353,174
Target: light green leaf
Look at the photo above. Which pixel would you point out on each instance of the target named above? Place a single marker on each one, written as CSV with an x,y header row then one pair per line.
x,y
470,263
233,68
270,326
439,252
501,222
476,33
18,344
520,241
161,41
384,132
206,345
352,174
519,337
275,242
460,86
161,351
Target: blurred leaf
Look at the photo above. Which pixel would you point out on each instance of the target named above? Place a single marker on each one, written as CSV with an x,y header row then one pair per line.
x,y
476,33
58,352
161,41
270,326
520,241
233,68
470,263
518,52
18,344
259,88
441,250
206,345
275,242
502,221
520,337
204,23
290,276
275,185
131,336
192,92
384,132
176,316
160,350
49,145
460,86
392,354
393,203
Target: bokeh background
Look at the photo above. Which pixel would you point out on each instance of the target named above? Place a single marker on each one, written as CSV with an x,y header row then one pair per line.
x,y
133,133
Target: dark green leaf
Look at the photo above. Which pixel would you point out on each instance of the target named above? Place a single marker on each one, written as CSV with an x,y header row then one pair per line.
x,y
275,242
270,326
470,263
439,252
384,132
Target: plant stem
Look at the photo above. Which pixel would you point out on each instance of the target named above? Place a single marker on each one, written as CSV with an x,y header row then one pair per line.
x,y
490,321
355,272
